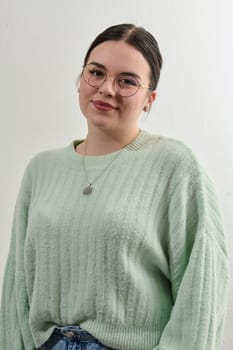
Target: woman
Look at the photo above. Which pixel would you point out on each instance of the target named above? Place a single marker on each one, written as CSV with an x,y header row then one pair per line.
x,y
117,239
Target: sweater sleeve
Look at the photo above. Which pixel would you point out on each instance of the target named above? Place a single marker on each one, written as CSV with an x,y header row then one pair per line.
x,y
14,314
198,264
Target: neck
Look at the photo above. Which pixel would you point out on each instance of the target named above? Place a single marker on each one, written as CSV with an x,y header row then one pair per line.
x,y
99,142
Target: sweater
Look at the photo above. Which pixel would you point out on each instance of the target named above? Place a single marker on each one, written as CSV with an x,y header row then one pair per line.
x,y
140,263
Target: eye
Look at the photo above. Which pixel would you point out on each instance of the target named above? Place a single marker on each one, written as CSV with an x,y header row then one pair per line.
x,y
127,81
96,72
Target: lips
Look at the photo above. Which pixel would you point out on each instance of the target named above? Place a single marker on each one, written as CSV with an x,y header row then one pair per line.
x,y
103,106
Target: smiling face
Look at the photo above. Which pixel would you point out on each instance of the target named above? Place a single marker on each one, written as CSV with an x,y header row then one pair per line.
x,y
103,106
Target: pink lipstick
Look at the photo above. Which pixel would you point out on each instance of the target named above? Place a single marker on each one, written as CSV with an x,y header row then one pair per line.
x,y
103,106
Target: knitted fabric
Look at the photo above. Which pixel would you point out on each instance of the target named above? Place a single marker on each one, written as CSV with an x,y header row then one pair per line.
x,y
140,263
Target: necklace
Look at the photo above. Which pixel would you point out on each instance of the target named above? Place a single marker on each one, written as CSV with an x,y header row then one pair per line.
x,y
89,188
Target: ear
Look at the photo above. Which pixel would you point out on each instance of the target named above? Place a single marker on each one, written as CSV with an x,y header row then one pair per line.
x,y
150,100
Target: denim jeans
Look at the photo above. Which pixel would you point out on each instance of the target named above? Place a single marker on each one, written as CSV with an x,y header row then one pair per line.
x,y
72,338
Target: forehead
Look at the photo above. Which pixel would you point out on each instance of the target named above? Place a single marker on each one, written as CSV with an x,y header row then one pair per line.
x,y
118,56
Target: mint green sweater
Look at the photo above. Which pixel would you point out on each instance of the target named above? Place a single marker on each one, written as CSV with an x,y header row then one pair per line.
x,y
140,263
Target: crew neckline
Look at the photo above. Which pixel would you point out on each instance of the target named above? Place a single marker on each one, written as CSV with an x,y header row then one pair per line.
x,y
134,145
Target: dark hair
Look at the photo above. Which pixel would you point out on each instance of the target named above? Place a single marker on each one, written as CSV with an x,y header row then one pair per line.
x,y
137,37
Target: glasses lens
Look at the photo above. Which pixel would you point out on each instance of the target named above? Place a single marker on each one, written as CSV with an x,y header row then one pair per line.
x,y
93,75
127,85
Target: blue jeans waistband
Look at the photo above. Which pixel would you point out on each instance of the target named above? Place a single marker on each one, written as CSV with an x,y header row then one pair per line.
x,y
72,337
74,333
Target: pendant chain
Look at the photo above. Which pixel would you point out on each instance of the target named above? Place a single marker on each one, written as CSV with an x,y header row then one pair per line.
x,y
89,188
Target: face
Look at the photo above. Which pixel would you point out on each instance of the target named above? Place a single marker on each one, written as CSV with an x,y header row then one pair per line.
x,y
103,106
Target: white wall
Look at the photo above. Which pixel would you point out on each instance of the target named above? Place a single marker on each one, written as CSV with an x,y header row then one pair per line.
x,y
42,46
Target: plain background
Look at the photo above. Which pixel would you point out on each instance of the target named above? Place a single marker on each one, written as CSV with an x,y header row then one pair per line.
x,y
42,46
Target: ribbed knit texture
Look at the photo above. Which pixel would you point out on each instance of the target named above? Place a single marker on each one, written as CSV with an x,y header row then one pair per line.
x,y
140,263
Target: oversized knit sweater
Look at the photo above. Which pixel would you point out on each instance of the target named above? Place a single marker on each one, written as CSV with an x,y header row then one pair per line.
x,y
140,263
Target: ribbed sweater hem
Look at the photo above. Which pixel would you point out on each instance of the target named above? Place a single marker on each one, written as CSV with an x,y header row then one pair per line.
x,y
123,336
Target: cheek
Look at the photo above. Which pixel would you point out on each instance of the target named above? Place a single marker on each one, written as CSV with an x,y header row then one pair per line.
x,y
85,89
137,104
85,94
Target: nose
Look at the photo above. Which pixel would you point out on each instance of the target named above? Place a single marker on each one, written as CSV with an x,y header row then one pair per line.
x,y
108,87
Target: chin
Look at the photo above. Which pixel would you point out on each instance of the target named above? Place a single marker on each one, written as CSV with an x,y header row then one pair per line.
x,y
103,122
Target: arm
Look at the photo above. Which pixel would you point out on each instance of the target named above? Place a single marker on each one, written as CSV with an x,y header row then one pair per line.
x,y
198,265
14,315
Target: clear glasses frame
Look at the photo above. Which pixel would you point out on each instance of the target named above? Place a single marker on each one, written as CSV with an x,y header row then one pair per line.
x,y
125,85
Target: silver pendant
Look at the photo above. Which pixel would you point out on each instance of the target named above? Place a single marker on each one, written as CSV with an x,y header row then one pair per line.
x,y
88,189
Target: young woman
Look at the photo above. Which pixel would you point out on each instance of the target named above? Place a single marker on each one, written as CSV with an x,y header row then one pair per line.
x,y
117,239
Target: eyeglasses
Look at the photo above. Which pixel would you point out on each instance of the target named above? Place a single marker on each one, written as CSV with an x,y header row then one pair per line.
x,y
125,84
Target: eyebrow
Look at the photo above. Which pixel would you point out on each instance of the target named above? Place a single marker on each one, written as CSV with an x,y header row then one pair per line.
x,y
122,73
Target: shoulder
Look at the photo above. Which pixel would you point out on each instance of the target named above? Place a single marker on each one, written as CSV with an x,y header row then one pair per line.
x,y
51,157
44,165
173,153
179,166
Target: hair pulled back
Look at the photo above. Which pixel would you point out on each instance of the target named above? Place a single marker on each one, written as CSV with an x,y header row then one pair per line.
x,y
137,37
